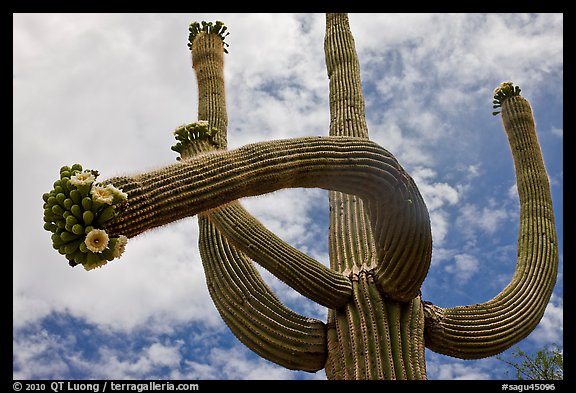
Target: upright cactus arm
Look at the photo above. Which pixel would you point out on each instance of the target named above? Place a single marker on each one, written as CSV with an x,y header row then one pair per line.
x,y
405,245
208,63
379,333
481,330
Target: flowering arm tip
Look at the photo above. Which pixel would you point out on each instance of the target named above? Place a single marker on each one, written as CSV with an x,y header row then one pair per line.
x,y
76,212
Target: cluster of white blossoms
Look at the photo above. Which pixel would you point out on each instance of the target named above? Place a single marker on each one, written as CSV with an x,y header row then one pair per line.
x,y
189,133
76,212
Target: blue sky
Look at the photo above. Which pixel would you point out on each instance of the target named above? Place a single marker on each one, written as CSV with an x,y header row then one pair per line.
x,y
107,90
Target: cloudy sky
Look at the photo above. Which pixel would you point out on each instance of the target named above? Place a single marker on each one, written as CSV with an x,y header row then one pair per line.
x,y
107,90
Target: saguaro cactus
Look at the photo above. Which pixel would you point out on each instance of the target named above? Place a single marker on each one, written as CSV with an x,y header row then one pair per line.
x,y
380,240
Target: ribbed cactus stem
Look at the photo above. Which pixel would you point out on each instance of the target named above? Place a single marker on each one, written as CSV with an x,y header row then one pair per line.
x,y
486,329
304,274
208,63
351,240
374,336
252,311
347,115
207,181
353,246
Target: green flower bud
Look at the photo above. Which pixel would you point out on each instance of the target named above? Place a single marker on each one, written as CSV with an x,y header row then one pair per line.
x,y
108,253
51,200
76,196
106,214
87,203
57,210
88,217
82,247
92,260
56,240
80,258
68,236
60,197
77,211
71,220
71,247
78,229
50,226
68,203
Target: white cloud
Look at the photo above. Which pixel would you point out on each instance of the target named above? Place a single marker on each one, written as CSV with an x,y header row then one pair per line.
x,y
158,281
147,363
37,355
440,367
559,132
438,196
291,214
435,194
463,268
486,219
459,371
551,327
237,363
165,355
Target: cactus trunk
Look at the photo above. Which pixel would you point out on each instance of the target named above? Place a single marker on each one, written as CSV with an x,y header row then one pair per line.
x,y
373,336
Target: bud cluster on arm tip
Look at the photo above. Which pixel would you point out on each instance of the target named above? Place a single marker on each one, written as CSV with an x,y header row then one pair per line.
x,y
217,28
502,92
76,211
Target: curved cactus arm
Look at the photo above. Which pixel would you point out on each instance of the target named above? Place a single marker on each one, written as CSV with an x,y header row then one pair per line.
x,y
252,311
301,272
352,165
486,329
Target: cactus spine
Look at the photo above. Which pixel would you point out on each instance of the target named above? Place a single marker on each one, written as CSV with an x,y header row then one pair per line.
x,y
380,240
